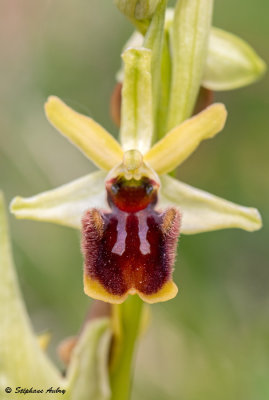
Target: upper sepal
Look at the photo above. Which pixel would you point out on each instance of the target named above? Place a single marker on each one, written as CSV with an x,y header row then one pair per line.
x,y
136,109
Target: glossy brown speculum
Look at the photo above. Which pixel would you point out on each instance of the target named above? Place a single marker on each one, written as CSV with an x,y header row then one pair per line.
x,y
131,195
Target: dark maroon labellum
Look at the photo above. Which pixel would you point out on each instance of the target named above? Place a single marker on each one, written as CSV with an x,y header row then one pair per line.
x,y
132,248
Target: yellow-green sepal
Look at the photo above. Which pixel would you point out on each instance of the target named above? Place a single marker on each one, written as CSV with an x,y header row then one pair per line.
x,y
66,204
202,211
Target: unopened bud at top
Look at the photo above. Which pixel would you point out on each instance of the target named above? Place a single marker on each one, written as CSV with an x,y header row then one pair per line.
x,y
138,9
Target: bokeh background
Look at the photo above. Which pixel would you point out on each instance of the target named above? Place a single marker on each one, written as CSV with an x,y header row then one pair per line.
x,y
212,340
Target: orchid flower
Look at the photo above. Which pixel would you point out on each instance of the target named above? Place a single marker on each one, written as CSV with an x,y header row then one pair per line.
x,y
131,210
145,169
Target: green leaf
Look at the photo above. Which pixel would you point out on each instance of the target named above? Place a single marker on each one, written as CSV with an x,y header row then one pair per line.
x,y
91,138
87,375
136,110
22,362
202,211
182,141
66,204
189,35
231,63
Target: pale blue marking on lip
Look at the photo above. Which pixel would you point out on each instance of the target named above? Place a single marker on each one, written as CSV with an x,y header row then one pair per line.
x,y
142,232
119,246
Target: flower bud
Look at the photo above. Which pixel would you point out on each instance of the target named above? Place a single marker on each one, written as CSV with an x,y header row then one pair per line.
x,y
137,9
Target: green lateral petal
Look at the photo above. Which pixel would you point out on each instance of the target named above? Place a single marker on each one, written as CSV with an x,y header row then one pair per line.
x,y
136,109
231,63
181,141
22,362
190,32
87,376
66,204
201,211
93,140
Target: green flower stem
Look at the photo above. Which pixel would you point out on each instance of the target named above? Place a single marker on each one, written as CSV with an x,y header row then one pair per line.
x,y
126,326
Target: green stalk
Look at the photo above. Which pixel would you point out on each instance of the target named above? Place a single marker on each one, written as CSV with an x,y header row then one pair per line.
x,y
126,326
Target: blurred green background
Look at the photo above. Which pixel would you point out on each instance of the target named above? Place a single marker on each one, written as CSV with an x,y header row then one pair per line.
x,y
212,340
